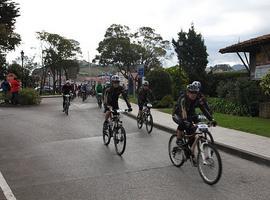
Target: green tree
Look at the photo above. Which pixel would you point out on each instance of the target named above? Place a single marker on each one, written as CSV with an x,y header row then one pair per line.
x,y
116,49
191,53
160,82
9,11
125,50
179,80
154,48
59,55
265,84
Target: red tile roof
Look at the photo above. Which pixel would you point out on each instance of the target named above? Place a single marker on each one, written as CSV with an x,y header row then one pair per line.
x,y
248,45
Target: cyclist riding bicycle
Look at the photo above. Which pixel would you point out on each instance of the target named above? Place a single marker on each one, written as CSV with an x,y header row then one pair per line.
x,y
112,95
145,95
66,90
185,115
99,88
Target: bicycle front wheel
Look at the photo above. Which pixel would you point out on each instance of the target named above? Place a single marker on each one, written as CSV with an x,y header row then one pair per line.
x,y
66,108
209,137
119,137
139,121
106,134
209,164
149,123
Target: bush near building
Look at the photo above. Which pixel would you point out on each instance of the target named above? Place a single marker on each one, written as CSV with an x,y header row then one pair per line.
x,y
160,83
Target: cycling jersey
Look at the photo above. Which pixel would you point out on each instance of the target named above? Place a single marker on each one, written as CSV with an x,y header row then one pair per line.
x,y
144,96
112,95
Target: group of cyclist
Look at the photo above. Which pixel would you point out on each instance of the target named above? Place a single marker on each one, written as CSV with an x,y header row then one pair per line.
x,y
184,113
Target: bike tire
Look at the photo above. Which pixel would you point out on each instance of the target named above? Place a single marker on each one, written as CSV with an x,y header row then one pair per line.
x,y
66,109
117,140
149,123
213,151
106,134
209,137
173,148
139,122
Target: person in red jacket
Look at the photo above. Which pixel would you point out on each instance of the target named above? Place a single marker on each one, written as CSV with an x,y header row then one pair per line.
x,y
15,87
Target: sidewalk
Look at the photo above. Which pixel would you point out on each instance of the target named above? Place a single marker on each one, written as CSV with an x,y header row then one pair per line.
x,y
245,145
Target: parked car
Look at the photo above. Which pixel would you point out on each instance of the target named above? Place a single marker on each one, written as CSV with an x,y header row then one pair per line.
x,y
45,89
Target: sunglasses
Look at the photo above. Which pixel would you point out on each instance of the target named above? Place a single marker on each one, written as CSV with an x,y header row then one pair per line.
x,y
193,92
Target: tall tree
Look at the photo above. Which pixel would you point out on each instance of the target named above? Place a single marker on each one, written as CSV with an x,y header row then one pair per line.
x,y
191,53
125,50
116,49
9,11
59,54
154,47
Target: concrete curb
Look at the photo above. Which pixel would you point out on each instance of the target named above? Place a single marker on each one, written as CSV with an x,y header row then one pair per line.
x,y
225,148
51,96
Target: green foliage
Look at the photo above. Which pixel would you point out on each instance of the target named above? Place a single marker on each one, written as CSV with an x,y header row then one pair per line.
x,y
28,96
213,80
227,107
160,83
265,84
179,80
126,50
244,92
165,102
191,53
9,11
60,55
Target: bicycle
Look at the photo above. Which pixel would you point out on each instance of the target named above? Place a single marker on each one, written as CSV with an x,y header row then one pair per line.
x,y
99,101
84,96
207,158
67,103
116,130
146,117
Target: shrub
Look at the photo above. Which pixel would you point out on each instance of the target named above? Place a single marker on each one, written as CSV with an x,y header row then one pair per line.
x,y
213,80
227,107
243,92
28,96
265,84
160,83
166,102
179,80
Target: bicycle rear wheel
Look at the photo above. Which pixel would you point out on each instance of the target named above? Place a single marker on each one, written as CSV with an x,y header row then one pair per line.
x,y
119,137
149,123
106,134
176,153
210,168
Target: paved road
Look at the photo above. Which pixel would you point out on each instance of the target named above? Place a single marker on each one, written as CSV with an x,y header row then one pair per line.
x,y
45,155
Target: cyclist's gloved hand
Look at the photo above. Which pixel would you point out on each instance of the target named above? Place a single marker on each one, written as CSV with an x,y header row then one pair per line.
x,y
214,123
187,124
129,109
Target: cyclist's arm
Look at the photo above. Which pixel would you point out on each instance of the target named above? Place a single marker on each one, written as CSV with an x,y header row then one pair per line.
x,y
125,97
206,112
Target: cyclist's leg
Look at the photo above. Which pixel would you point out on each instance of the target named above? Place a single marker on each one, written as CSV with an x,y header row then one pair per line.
x,y
64,101
140,108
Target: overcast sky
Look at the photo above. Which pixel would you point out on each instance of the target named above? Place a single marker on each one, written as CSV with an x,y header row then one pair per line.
x,y
221,22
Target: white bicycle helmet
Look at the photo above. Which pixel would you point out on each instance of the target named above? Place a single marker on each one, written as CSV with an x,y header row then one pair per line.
x,y
197,83
146,83
115,78
192,88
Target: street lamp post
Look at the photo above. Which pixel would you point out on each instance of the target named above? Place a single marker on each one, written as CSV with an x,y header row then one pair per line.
x,y
49,74
22,57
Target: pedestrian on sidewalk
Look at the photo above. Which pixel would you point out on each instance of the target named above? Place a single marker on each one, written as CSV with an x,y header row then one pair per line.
x,y
6,88
15,87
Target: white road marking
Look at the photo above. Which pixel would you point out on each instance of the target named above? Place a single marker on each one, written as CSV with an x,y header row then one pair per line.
x,y
6,189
